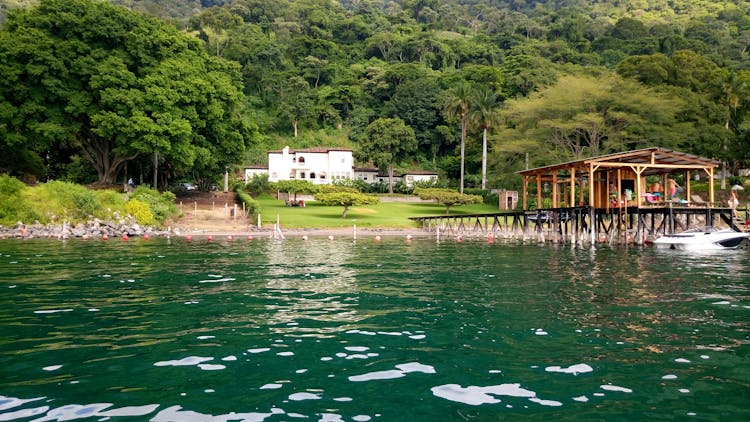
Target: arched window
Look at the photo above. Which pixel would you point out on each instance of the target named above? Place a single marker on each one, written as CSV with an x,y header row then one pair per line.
x,y
312,174
301,160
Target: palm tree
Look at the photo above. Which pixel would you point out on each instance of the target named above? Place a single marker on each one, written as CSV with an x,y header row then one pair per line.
x,y
458,105
485,113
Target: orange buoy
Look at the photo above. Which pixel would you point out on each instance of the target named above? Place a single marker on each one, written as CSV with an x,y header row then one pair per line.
x,y
249,237
189,238
105,237
210,238
229,238
459,239
124,236
146,236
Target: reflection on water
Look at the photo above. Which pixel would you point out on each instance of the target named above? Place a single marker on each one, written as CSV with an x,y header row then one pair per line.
x,y
338,330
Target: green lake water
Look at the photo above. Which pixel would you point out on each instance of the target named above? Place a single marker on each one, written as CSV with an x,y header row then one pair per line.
x,y
263,330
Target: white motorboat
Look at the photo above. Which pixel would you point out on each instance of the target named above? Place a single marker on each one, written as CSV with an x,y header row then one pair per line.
x,y
702,238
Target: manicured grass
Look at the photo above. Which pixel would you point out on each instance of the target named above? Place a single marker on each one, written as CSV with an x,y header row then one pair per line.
x,y
381,215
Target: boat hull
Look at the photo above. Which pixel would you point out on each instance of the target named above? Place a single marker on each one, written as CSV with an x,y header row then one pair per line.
x,y
702,240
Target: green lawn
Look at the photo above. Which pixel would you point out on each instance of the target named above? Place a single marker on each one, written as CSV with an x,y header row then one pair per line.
x,y
381,215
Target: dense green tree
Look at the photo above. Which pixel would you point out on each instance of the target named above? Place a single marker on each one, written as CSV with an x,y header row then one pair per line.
x,y
447,197
583,116
485,114
117,85
457,106
345,199
387,142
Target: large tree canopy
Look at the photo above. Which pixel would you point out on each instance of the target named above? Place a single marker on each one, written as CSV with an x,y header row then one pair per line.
x,y
117,85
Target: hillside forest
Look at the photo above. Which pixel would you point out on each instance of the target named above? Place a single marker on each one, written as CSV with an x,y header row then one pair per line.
x,y
167,91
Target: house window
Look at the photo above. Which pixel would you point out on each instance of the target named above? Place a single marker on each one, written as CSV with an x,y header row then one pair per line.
x,y
301,160
312,174
274,175
302,175
322,175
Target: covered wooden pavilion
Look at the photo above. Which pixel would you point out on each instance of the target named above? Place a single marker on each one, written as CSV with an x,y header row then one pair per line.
x,y
618,180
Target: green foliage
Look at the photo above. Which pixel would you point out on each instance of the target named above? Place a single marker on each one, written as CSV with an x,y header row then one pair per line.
x,y
13,205
251,205
140,211
258,184
86,204
161,205
335,188
295,187
447,197
345,199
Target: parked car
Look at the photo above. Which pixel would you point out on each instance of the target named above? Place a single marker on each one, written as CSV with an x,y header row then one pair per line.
x,y
186,186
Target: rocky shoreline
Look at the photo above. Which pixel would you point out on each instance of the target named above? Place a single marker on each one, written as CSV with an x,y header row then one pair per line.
x,y
90,229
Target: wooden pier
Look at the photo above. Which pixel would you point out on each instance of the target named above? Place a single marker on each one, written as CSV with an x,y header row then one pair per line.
x,y
574,224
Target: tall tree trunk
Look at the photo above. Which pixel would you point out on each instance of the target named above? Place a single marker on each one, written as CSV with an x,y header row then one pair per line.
x,y
156,170
463,149
294,125
484,158
390,179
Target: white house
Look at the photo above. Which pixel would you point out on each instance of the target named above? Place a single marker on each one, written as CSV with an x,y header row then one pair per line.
x,y
324,166
413,176
318,165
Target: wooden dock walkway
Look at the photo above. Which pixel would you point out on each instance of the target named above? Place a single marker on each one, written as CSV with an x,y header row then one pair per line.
x,y
574,224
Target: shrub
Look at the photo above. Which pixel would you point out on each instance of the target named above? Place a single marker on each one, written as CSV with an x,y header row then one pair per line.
x,y
85,203
258,184
161,204
12,201
251,205
141,211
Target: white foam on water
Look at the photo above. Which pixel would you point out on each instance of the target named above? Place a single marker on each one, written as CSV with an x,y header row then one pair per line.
x,y
330,417
229,358
343,399
582,399
304,396
129,411
416,367
11,402
390,333
417,336
211,367
209,390
683,390
259,350
681,360
723,302
610,387
576,369
24,413
357,356
474,395
705,357
271,386
205,337
543,402
341,355
540,332
361,418
495,371
326,358
93,309
356,348
52,311
379,375
285,354
175,413
218,280
52,367
188,361
669,377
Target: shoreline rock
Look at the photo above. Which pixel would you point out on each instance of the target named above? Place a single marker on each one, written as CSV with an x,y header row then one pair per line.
x,y
91,229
